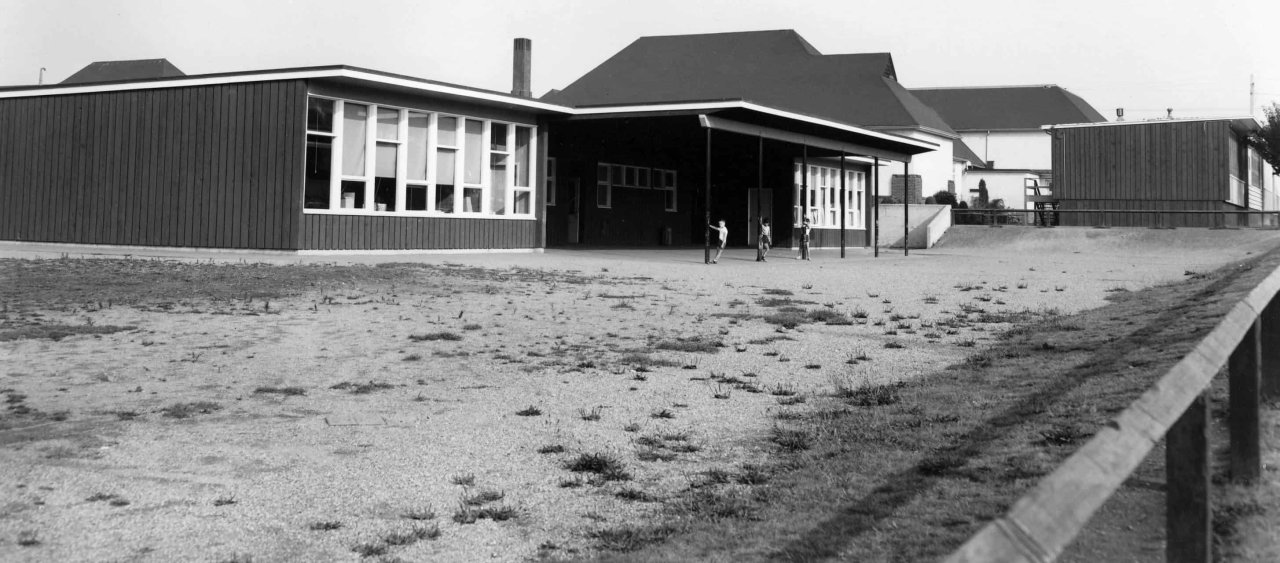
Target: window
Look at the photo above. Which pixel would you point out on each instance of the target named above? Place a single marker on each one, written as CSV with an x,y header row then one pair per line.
x,y
604,189
318,193
824,200
551,182
446,164
392,160
665,180
417,185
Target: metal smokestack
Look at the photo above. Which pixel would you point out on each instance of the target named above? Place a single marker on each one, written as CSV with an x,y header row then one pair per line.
x,y
522,69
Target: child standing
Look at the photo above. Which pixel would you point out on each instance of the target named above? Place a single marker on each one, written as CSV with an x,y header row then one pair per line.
x,y
723,231
804,240
765,241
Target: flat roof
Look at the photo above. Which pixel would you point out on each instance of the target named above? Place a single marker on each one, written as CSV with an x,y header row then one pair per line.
x,y
1239,123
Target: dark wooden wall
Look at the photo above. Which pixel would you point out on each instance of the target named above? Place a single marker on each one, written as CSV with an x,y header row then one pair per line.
x,y
1200,220
1175,161
362,232
203,166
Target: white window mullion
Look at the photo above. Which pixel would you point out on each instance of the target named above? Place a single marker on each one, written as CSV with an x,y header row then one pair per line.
x,y
370,154
534,189
402,166
486,157
432,146
335,167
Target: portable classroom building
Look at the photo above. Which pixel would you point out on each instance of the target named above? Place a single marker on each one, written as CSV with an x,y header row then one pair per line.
x,y
1187,165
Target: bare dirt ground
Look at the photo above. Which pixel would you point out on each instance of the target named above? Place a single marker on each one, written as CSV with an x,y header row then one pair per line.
x,y
330,409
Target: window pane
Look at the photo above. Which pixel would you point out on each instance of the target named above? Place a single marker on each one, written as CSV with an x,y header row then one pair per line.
x,y
472,152
384,182
415,198
448,134
354,119
521,204
498,193
319,165
352,194
498,137
471,200
417,157
320,115
602,173
522,156
602,195
389,124
445,161
444,198
642,179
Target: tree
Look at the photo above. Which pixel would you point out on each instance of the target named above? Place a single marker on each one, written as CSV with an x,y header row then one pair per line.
x,y
945,197
1267,139
982,194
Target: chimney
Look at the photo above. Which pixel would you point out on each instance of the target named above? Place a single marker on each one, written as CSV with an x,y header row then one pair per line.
x,y
522,69
1119,114
1170,114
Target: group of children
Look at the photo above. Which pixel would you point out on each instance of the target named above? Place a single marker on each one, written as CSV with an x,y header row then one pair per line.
x,y
765,242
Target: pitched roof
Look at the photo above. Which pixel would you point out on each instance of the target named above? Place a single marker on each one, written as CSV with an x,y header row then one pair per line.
x,y
775,68
961,151
110,71
1008,107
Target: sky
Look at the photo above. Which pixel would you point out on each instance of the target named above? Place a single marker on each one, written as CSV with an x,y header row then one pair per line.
x,y
1145,56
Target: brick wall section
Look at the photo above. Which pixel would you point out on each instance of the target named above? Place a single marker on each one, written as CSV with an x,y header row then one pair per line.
x,y
914,188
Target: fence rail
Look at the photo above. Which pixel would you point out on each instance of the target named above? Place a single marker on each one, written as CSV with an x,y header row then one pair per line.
x,y
1153,218
1044,521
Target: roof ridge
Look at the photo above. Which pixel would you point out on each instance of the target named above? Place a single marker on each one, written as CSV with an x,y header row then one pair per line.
x,y
988,87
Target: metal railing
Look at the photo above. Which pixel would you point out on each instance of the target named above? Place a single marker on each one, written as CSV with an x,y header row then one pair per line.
x,y
1104,218
1044,521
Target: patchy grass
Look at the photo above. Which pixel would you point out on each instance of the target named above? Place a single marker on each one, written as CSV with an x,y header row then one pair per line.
x,y
531,410
56,332
188,410
434,336
692,344
606,466
287,391
362,388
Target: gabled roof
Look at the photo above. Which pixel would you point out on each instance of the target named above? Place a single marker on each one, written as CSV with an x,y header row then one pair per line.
x,y
775,68
961,151
1008,107
111,71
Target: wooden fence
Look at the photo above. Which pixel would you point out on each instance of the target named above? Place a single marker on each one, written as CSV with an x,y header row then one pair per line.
x,y
1044,521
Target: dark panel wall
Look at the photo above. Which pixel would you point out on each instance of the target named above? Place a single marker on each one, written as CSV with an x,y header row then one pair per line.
x,y
1151,219
362,232
1151,161
206,166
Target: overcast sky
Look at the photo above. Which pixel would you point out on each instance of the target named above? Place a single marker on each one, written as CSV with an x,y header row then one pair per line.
x,y
1195,57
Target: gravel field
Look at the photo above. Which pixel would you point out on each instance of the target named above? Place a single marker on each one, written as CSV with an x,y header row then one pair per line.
x,y
382,396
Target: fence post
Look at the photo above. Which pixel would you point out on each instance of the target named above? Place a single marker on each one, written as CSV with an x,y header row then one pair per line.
x,y
1246,458
1270,344
1187,508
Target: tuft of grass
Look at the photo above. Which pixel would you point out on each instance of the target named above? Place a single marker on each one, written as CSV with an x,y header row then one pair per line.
x,y
693,344
791,439
604,465
632,427
1063,435
632,538
590,415
530,410
483,496
471,326
288,391
412,358
424,513
28,538
664,413
752,474
551,449
434,336
463,479
188,410
636,495
655,454
362,388
871,395
791,400
893,345
324,525
224,501
369,549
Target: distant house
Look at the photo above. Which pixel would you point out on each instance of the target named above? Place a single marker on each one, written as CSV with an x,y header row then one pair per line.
x,y
1198,165
1002,125
781,70
116,71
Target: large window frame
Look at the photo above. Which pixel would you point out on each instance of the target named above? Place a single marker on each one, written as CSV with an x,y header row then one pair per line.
x,y
824,197
496,201
611,175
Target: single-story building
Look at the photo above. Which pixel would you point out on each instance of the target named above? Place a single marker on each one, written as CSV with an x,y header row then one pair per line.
x,y
1191,165
339,158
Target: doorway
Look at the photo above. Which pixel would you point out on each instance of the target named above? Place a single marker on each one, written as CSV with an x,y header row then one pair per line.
x,y
573,228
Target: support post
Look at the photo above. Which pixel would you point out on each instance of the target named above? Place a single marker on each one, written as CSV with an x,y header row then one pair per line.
x,y
1270,345
1188,514
706,225
1246,455
804,183
842,198
906,208
875,207
759,226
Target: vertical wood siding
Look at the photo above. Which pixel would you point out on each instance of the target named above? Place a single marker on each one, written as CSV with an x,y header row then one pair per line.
x,y
1147,162
362,232
206,166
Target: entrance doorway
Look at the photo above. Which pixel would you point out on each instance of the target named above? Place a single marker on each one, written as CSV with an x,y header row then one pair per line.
x,y
762,200
574,226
